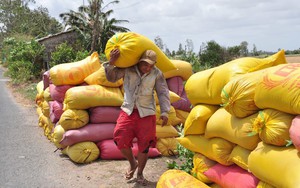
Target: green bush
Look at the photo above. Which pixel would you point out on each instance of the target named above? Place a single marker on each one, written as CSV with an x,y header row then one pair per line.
x,y
185,157
20,71
65,53
23,59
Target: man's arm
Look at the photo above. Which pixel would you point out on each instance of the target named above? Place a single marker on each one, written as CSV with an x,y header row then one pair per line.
x,y
112,72
163,95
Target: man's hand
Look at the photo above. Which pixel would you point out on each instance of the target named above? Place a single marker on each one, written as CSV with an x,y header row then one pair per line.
x,y
164,120
114,55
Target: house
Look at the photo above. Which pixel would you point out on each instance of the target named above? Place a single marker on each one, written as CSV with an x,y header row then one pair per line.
x,y
51,41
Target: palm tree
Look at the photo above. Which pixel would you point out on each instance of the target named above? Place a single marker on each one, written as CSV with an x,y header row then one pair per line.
x,y
93,24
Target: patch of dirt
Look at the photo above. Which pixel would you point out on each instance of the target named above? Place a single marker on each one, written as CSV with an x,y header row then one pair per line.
x,y
293,59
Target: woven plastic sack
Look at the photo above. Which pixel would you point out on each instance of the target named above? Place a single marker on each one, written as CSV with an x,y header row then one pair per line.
x,y
206,86
239,156
217,149
273,126
277,166
231,176
197,119
89,132
280,89
201,164
167,146
73,119
84,97
57,135
166,131
236,130
132,46
172,118
179,179
295,132
83,152
238,94
74,73
183,69
262,184
99,78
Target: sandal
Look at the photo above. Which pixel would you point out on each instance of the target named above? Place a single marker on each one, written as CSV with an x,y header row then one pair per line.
x,y
129,174
142,181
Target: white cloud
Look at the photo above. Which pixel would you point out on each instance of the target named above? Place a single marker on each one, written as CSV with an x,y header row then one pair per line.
x,y
269,25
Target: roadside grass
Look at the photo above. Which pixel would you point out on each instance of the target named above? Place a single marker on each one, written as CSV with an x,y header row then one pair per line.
x,y
25,92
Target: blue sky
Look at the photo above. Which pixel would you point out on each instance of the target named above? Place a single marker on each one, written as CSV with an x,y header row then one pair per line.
x,y
269,24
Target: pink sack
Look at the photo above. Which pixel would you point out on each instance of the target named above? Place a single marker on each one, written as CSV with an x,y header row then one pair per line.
x,y
58,92
104,114
109,150
231,176
183,104
175,84
89,132
56,110
46,79
295,132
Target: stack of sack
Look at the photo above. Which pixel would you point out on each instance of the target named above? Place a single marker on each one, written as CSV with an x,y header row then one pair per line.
x,y
244,119
78,108
180,108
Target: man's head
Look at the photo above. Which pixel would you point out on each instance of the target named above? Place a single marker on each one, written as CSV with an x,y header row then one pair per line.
x,y
147,61
149,56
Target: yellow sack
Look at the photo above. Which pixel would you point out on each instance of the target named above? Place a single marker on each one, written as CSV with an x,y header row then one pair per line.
x,y
206,86
279,89
84,97
74,73
46,108
167,146
166,131
82,152
262,184
239,156
273,126
40,87
201,164
132,46
39,111
237,130
217,149
179,179
57,135
172,118
99,78
47,96
48,128
277,166
183,69
238,94
182,115
197,119
73,119
173,97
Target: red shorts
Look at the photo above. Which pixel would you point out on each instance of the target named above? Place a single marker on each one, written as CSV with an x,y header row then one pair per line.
x,y
133,126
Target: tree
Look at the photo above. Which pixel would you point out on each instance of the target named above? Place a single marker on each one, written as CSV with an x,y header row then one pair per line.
x,y
189,45
244,48
17,18
254,51
93,23
180,50
212,55
159,42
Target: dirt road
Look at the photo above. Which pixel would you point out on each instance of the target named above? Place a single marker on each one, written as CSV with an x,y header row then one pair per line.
x,y
28,158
